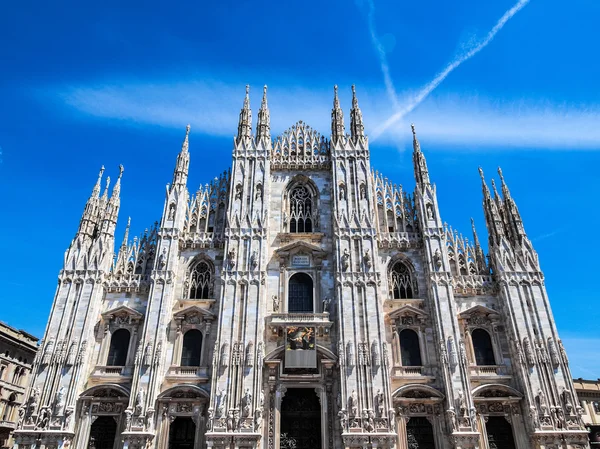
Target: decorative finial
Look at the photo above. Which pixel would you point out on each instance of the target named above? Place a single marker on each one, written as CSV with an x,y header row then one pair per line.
x,y
101,172
412,127
353,89
247,89
500,173
128,222
264,98
481,174
187,129
121,170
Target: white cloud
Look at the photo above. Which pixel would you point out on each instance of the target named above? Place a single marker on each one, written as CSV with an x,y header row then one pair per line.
x,y
212,107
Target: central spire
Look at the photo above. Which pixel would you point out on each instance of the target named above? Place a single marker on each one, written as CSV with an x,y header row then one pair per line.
x,y
180,174
338,131
245,122
263,127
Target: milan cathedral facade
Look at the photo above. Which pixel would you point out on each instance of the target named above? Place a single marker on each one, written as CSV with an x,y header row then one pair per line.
x,y
300,300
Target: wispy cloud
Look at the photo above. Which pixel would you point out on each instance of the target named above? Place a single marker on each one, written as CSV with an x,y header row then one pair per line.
x,y
379,48
546,236
212,108
413,102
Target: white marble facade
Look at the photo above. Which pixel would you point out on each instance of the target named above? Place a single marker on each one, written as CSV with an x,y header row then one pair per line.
x,y
406,335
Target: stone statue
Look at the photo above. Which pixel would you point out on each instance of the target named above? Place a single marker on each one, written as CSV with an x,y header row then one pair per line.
x,y
353,403
429,208
140,401
230,423
162,259
221,398
392,415
275,303
326,304
231,258
171,216
209,419
346,260
44,418
437,258
21,417
379,400
257,418
59,401
246,403
343,415
254,259
367,259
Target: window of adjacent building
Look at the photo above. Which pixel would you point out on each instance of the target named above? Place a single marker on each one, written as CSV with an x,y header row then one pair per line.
x,y
119,346
301,209
192,347
201,281
402,282
482,346
300,293
410,352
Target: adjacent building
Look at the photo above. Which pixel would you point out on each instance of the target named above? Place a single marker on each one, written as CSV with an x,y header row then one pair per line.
x,y
588,393
301,300
17,351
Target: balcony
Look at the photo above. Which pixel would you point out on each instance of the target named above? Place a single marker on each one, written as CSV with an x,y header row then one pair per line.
x,y
488,371
8,425
401,240
321,321
113,372
188,374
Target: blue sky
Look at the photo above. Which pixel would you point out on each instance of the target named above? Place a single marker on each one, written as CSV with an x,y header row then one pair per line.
x,y
487,83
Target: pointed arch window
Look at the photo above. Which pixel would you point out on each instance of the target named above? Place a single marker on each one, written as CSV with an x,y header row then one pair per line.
x,y
301,209
482,346
119,346
192,348
410,350
402,282
202,281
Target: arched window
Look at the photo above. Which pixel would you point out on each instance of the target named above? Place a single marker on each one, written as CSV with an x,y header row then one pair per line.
x,y
402,283
482,346
409,348
192,347
301,209
300,293
119,345
201,281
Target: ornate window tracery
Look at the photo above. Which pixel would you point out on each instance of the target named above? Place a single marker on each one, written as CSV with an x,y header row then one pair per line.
x,y
402,282
201,281
301,209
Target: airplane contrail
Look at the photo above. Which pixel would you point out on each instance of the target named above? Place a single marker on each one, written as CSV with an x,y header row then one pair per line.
x,y
426,90
385,69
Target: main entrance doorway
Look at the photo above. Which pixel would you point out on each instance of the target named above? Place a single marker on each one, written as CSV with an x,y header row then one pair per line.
x,y
300,419
499,433
102,433
182,433
419,433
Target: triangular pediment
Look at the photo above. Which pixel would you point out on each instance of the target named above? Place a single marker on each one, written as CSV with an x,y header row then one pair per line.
x,y
122,311
300,246
408,310
194,311
479,310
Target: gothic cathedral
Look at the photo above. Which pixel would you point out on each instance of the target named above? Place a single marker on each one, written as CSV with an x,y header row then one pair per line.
x,y
300,301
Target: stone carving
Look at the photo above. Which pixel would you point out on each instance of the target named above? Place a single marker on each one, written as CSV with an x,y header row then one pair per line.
x,y
231,258
258,419
375,354
259,354
554,358
171,215
345,260
567,400
43,419
326,304
452,356
343,416
220,400
430,215
368,420
529,357
380,403
437,258
254,260
249,354
246,403
367,260
350,354
353,404
147,359
162,259
225,355
59,401
140,401
275,303
72,354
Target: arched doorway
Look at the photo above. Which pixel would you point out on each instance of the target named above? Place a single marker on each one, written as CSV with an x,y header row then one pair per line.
x,y
103,433
182,433
499,433
300,419
300,293
419,433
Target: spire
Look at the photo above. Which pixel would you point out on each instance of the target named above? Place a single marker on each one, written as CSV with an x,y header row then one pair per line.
x,y
338,131
263,127
493,219
96,190
357,127
126,236
479,255
245,122
419,162
183,162
104,198
511,212
117,188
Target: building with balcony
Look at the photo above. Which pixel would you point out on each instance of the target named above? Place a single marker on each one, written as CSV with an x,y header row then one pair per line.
x,y
301,300
17,351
